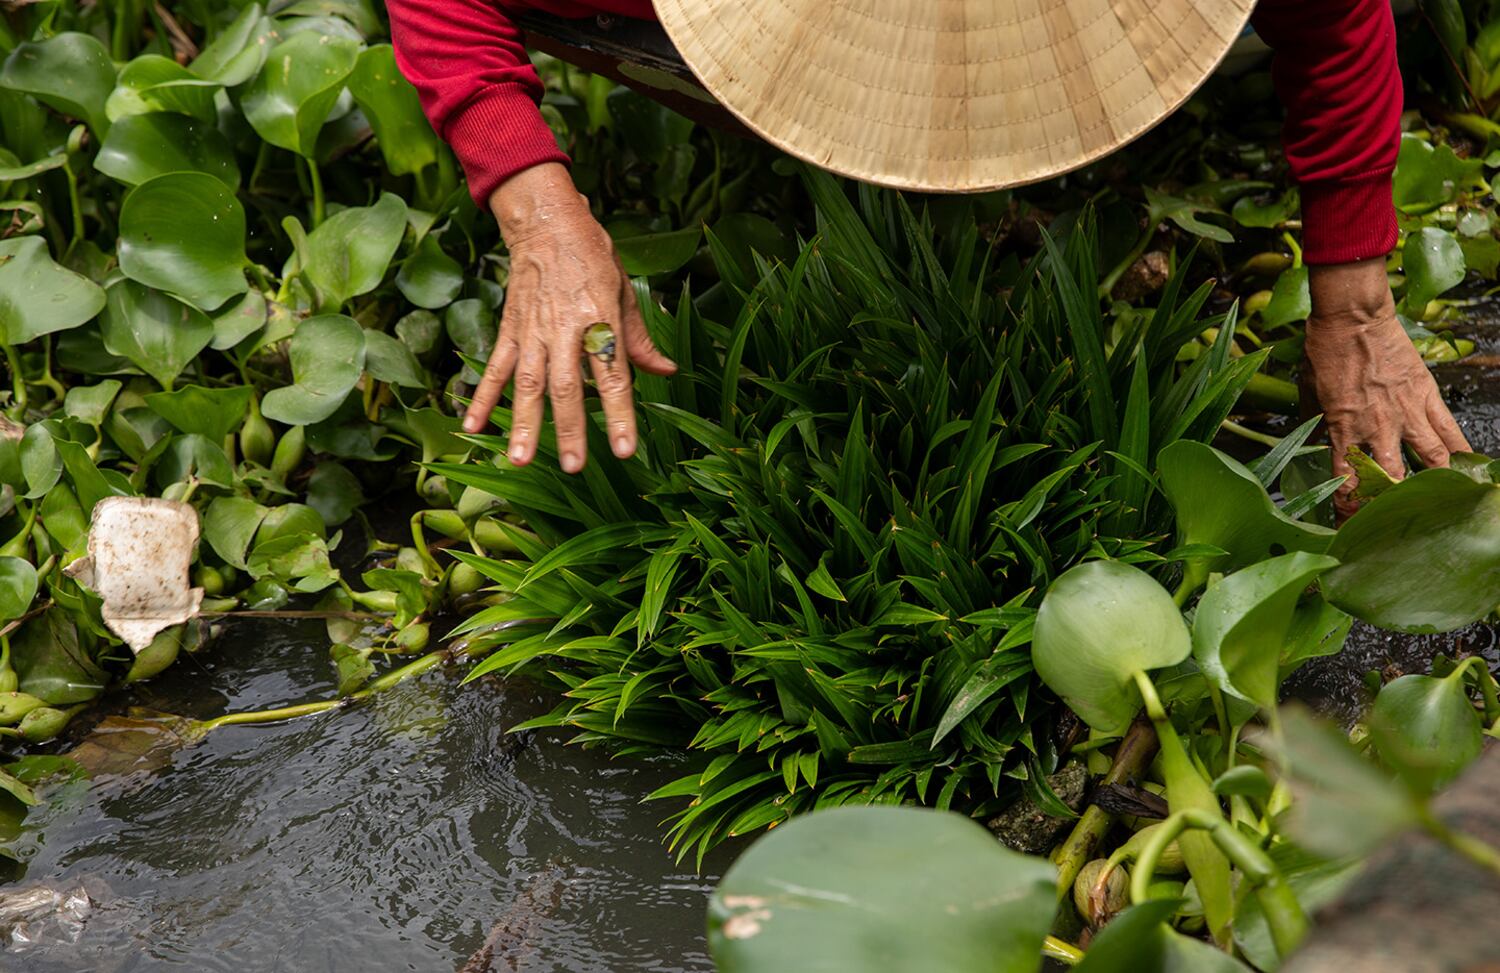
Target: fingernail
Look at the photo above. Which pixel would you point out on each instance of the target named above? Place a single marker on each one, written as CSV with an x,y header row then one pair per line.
x,y
623,447
571,463
471,424
517,454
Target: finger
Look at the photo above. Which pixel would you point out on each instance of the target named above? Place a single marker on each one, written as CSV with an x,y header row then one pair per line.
x,y
492,383
612,378
1446,426
526,415
565,387
1429,447
1344,503
637,340
1388,455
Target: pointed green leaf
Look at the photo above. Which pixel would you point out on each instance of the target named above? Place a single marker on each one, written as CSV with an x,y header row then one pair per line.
x,y
158,333
289,100
70,72
348,255
39,296
390,103
328,358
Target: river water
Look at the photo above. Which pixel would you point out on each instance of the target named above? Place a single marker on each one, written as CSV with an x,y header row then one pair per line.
x,y
393,836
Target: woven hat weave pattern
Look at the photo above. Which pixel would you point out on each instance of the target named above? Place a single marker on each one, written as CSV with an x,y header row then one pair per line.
x,y
952,95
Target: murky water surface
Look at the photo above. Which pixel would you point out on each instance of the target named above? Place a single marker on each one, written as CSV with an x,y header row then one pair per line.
x,y
398,835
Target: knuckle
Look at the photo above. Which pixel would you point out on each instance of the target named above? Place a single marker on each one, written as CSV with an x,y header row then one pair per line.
x,y
613,382
565,387
530,384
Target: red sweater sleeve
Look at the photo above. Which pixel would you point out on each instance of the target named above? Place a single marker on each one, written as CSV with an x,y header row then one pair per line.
x,y
1335,70
469,65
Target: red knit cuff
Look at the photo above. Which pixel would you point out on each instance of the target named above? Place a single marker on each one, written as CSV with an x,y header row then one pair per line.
x,y
1345,220
496,135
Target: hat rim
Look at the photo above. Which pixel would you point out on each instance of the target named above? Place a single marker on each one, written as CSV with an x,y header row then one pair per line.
x,y
678,31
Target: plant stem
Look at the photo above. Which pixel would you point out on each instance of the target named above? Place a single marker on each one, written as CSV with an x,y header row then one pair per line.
x,y
1244,432
1484,855
1055,949
1486,683
316,178
385,682
17,381
1131,757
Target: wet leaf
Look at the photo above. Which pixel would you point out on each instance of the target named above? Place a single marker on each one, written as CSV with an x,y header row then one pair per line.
x,y
213,413
17,587
70,72
334,492
430,278
657,253
328,358
153,83
1242,622
348,255
352,666
1437,526
229,526
1433,262
881,888
159,334
184,233
1426,729
1100,623
1220,503
39,296
1342,805
289,100
52,664
141,147
406,141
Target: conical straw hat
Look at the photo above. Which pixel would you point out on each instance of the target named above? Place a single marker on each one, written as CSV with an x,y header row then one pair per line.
x,y
952,95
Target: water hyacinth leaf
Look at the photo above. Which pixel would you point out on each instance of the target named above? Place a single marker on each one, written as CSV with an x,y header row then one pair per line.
x,y
1433,262
1429,176
1426,729
39,296
299,561
40,463
238,321
237,52
53,662
352,667
391,361
1220,503
1139,940
1342,805
1291,300
328,357
194,459
472,329
646,254
156,332
289,100
1241,624
1437,525
348,255
1248,211
1100,623
334,493
213,413
882,888
288,520
152,83
229,525
141,147
70,72
430,278
184,233
90,403
406,140
17,587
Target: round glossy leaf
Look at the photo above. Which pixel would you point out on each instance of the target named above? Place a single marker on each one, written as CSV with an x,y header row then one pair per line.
x,y
17,587
157,332
900,890
1221,504
70,72
142,147
90,403
1426,729
290,98
290,520
658,253
328,357
238,321
53,666
39,296
152,83
238,51
1424,556
1240,626
429,277
229,525
213,413
395,113
1433,262
184,233
1100,623
390,361
348,255
1291,299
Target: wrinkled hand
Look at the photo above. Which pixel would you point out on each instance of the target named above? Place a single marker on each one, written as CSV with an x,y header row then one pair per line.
x,y
564,277
1371,384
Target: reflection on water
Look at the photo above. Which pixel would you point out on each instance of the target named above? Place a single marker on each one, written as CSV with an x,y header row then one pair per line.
x,y
400,835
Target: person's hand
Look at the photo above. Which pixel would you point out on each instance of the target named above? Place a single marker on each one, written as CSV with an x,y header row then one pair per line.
x,y
564,278
1371,384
